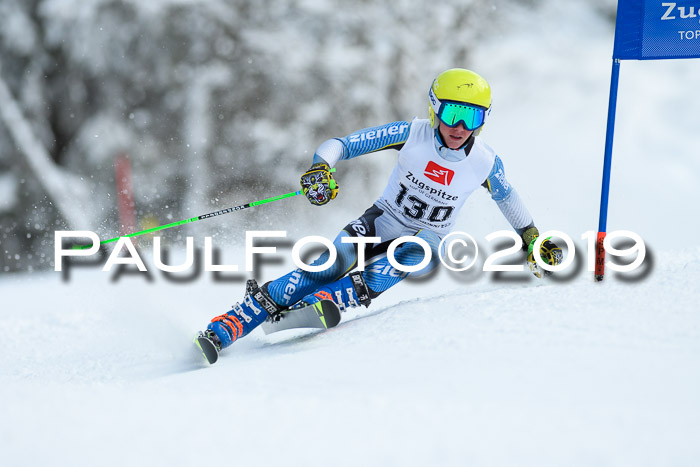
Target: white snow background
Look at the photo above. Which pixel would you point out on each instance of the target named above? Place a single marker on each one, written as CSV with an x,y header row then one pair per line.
x,y
459,369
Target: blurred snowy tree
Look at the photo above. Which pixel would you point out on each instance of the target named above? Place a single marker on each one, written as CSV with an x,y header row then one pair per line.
x,y
216,102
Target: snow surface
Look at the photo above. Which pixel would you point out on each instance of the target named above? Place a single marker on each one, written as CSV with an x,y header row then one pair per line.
x,y
451,370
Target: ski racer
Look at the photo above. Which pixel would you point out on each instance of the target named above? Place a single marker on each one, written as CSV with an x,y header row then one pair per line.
x,y
441,161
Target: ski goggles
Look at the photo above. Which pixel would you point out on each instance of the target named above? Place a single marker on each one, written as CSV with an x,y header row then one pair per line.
x,y
453,114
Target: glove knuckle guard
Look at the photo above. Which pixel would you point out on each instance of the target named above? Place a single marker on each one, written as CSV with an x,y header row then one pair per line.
x,y
549,252
318,184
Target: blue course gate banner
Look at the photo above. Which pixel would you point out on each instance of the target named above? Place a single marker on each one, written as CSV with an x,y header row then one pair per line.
x,y
657,29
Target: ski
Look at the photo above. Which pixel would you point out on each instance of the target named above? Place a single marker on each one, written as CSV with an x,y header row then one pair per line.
x,y
324,314
207,347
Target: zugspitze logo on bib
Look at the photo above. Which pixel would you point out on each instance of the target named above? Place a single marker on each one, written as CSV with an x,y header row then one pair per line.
x,y
439,174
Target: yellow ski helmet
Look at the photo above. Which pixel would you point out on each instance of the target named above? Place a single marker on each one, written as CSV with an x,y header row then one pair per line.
x,y
459,96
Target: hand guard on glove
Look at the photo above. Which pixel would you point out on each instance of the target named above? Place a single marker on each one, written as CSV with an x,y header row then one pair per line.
x,y
549,252
318,184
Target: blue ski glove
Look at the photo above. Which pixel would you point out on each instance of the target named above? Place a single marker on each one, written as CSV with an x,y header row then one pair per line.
x,y
318,184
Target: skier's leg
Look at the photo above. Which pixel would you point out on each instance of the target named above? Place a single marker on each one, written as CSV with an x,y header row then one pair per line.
x,y
243,317
358,288
381,275
276,296
292,287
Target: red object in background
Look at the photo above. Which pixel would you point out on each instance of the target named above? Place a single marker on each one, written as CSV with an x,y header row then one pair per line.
x,y
125,194
600,257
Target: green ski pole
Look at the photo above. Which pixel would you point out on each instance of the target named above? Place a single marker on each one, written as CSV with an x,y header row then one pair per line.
x,y
195,219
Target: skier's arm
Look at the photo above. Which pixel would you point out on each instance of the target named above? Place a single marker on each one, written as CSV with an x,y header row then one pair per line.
x,y
390,136
318,184
509,202
514,210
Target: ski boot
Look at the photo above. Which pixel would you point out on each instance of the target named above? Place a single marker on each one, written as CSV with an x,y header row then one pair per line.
x,y
347,292
255,308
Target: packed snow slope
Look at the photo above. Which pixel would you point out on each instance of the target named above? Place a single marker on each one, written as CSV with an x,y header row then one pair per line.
x,y
493,373
455,369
